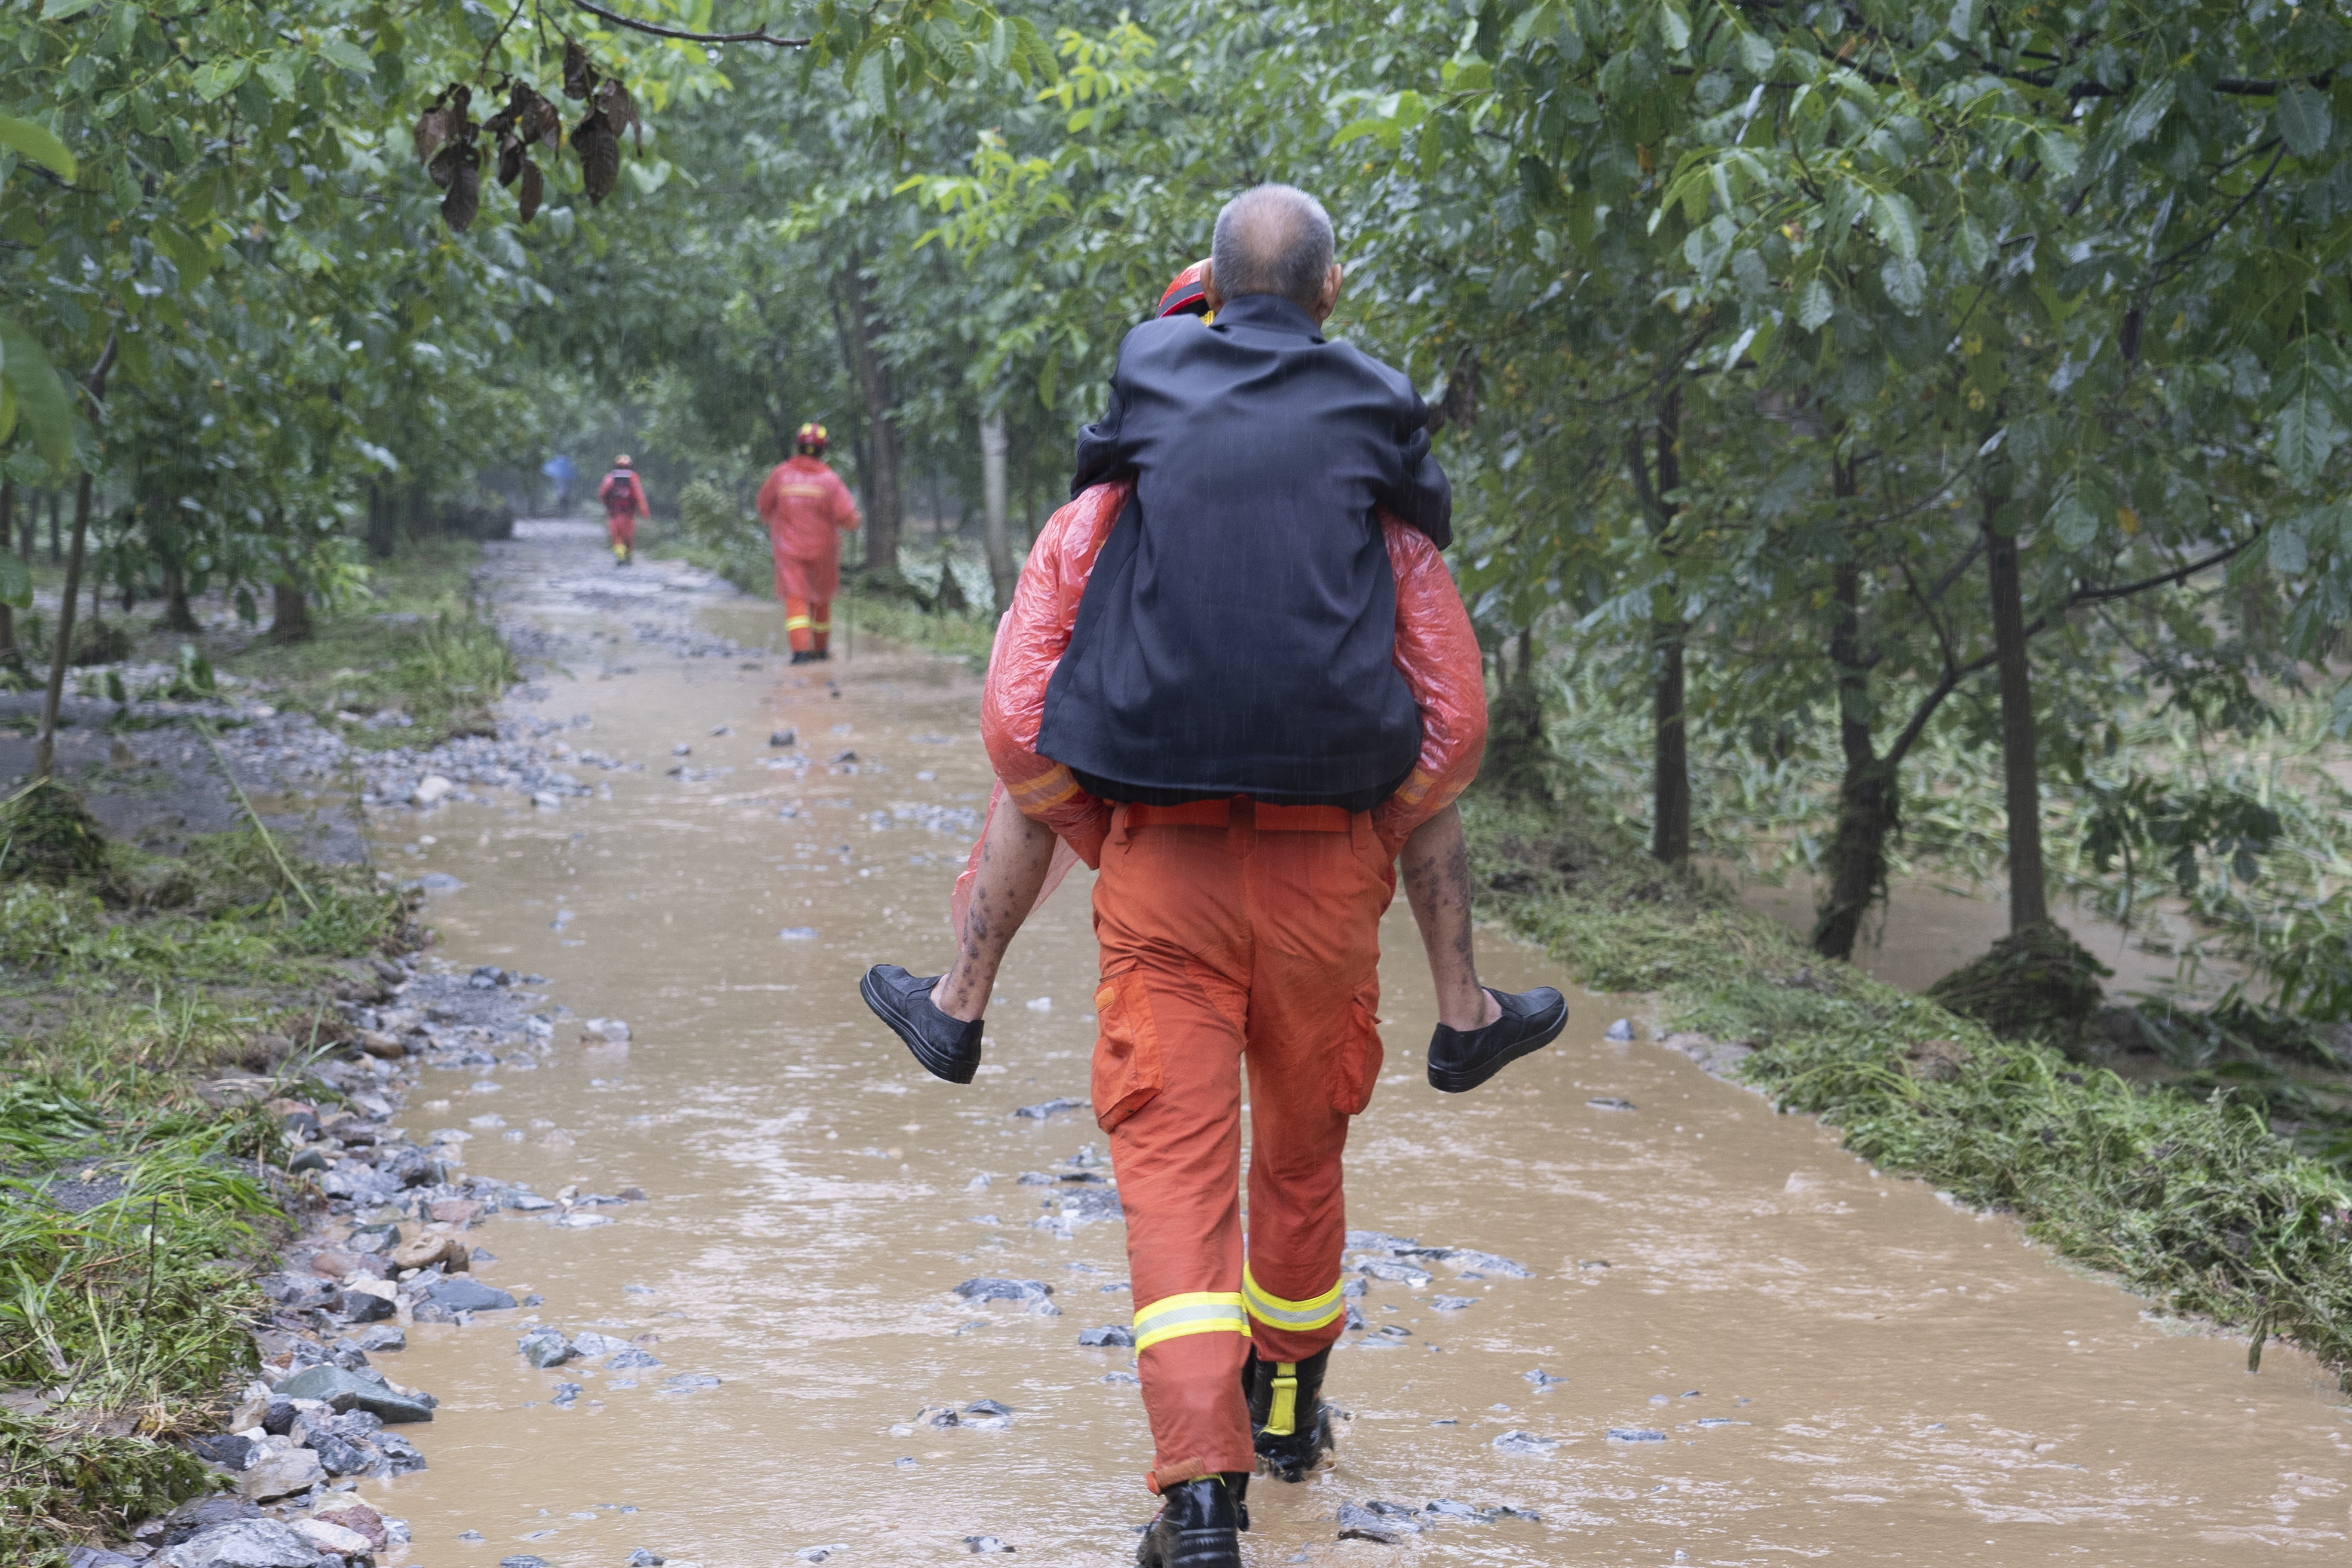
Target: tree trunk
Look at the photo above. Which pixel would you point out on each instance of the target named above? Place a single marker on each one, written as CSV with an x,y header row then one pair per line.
x,y
177,615
11,656
56,550
1868,801
885,511
1671,792
45,744
2021,768
382,532
289,614
991,487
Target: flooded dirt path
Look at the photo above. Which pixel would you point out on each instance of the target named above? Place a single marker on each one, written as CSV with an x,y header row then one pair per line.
x,y
1832,1365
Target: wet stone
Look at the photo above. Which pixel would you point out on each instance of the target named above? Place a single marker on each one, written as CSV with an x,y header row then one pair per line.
x,y
1611,1102
247,1544
225,1449
1518,1442
1397,1273
1045,1109
341,1457
1620,1031
467,1296
644,1557
1542,1379
984,1544
990,1289
1452,1303
1110,1334
689,1383
1635,1435
567,1394
545,1347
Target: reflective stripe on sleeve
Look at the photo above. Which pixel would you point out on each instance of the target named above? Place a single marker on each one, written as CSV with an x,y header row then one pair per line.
x,y
1277,1314
1201,1312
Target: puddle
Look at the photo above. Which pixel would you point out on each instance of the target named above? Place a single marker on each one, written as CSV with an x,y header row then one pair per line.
x,y
1835,1366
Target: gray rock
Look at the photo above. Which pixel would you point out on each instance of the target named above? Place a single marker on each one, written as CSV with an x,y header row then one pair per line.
x,y
522,1560
1516,1442
1452,1303
197,1515
400,1456
633,1357
247,1544
1620,1031
297,1290
341,1457
526,1203
1380,1241
462,1295
225,1449
987,1289
984,1544
644,1557
986,1413
366,1307
689,1381
1542,1379
1039,1113
1399,1273
567,1394
1108,1334
546,1347
92,1557
350,1390
378,1337
1611,1102
1452,1510
1471,1259
273,1476
1635,1435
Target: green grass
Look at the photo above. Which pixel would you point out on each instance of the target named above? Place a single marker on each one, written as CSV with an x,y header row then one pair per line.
x,y
125,985
2185,1191
416,642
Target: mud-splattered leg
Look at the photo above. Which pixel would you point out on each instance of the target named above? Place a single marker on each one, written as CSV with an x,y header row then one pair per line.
x,y
1014,855
1436,868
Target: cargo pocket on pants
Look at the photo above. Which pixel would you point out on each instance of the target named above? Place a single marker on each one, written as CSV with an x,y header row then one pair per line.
x,y
1126,1053
1355,1063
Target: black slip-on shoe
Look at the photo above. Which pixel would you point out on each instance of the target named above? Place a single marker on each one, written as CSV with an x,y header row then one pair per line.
x,y
1199,1525
948,1047
1461,1060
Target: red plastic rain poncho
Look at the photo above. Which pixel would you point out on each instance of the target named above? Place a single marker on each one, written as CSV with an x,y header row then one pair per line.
x,y
807,509
1436,652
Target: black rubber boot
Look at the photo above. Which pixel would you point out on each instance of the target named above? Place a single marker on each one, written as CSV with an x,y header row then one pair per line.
x,y
802,656
1198,1526
1459,1060
1289,1424
948,1047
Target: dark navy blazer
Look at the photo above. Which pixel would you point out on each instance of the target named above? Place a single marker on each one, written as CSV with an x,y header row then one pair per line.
x,y
1237,633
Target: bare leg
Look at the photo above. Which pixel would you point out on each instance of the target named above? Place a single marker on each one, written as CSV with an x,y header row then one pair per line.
x,y
1436,866
1014,855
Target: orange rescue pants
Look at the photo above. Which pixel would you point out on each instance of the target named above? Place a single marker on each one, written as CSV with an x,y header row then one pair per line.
x,y
807,623
622,526
1233,931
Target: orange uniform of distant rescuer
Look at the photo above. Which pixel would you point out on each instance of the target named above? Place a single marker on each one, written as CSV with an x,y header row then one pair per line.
x,y
624,495
807,509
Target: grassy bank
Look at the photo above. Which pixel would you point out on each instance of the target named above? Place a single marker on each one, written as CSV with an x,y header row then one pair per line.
x,y
2186,1192
149,1008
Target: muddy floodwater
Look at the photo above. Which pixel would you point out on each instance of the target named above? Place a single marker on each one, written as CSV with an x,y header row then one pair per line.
x,y
1734,1343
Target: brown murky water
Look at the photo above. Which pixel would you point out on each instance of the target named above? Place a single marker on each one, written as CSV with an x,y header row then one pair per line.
x,y
1838,1365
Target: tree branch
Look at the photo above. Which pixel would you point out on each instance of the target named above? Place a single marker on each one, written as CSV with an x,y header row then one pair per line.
x,y
2125,591
661,32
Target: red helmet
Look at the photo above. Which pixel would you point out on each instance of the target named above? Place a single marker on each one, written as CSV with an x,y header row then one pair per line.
x,y
812,438
1187,294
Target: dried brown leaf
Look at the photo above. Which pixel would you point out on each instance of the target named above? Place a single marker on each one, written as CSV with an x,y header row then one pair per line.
x,y
509,160
464,197
599,156
620,109
533,188
579,76
444,167
432,130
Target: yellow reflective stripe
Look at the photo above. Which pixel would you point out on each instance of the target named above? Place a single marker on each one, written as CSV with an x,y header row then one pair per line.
x,y
1199,1313
1051,787
1276,1312
796,623
820,626
1282,1417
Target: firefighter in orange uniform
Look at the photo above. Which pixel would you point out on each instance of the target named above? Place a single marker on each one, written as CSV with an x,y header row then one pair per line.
x,y
624,495
807,509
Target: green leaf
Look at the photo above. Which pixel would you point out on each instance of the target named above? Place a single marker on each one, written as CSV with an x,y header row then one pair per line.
x,y
2147,112
41,399
1757,55
2073,524
2058,151
217,78
65,10
1976,250
1907,283
15,582
2304,119
2290,554
1962,21
278,75
1896,224
34,142
1815,305
1673,28
2305,434
348,55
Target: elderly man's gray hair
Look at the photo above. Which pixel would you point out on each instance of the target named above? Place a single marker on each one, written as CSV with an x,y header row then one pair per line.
x,y
1272,240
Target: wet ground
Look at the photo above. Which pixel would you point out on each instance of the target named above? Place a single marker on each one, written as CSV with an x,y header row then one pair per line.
x,y
1733,1343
